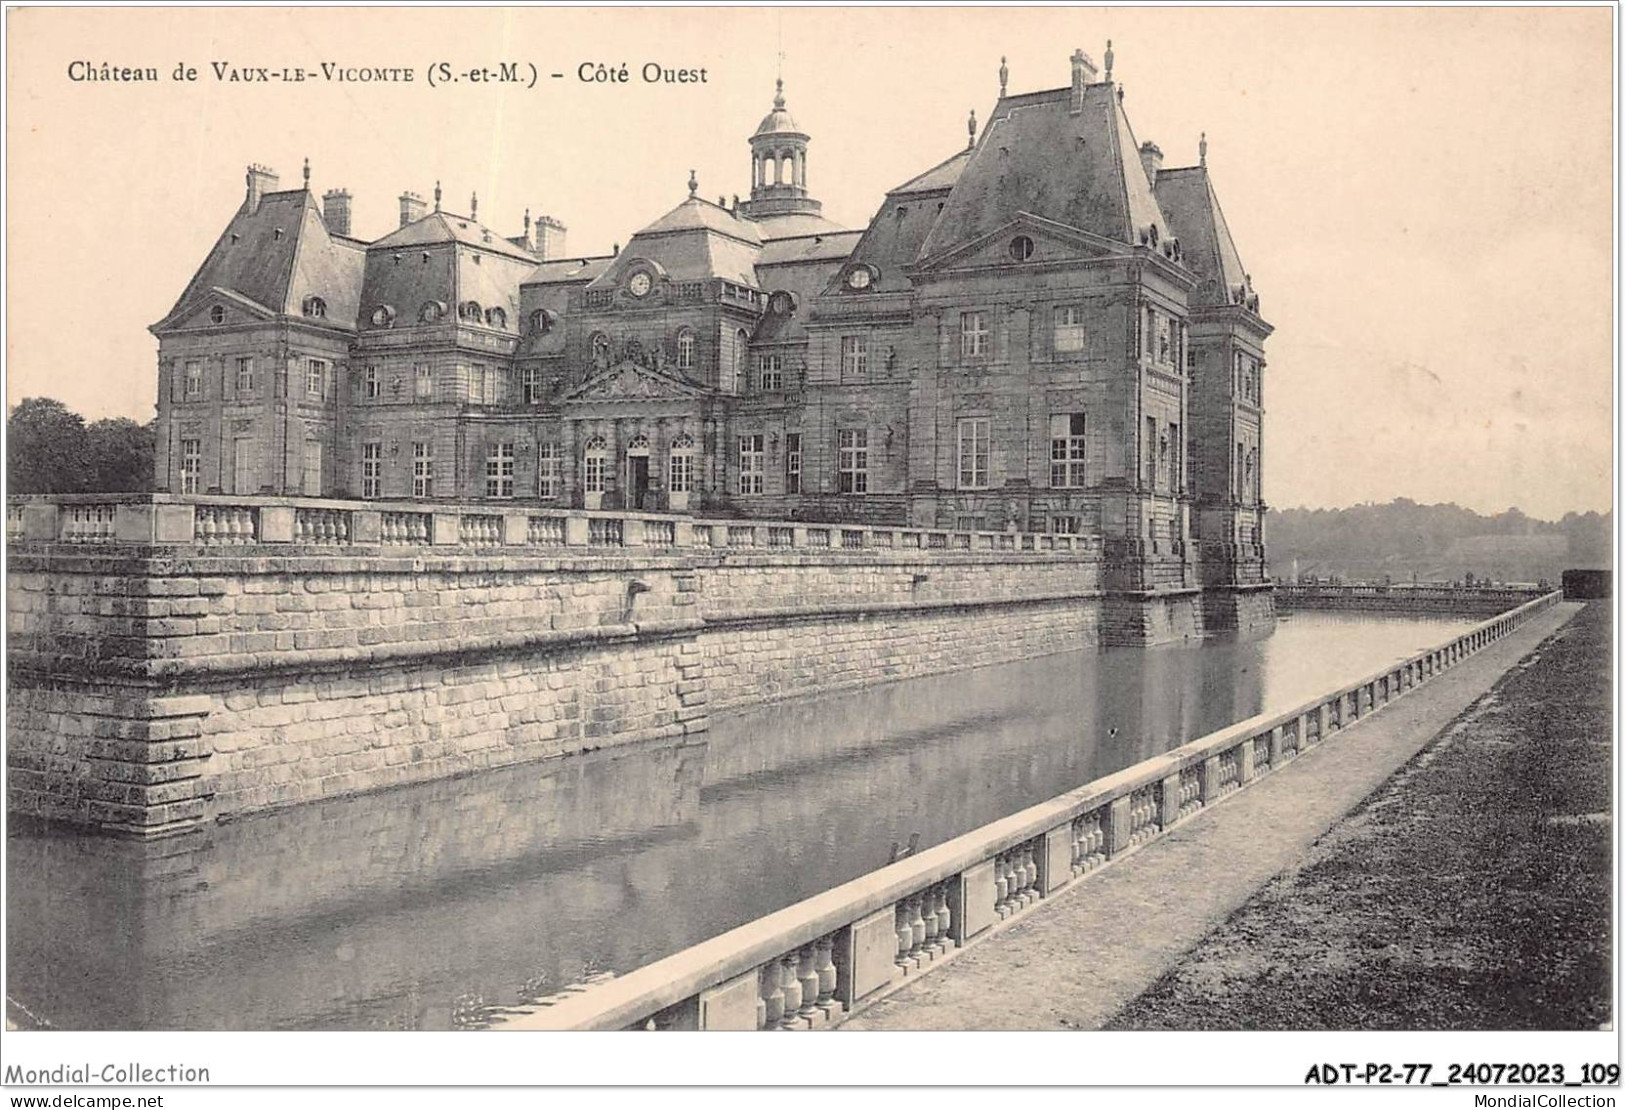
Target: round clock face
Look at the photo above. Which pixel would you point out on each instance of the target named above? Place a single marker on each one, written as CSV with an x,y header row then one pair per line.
x,y
640,284
858,279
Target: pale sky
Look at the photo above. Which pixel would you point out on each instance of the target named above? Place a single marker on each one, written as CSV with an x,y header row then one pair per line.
x,y
1423,198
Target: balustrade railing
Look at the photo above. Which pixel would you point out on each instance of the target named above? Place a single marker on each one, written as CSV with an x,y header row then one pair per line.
x,y
809,964
219,520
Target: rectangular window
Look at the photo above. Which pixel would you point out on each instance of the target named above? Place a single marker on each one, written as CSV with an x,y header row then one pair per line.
x,y
680,479
315,378
1066,450
533,386
792,462
245,375
191,464
476,384
973,438
1066,525
750,464
499,471
1190,357
969,523
310,477
194,378
853,444
592,472
1174,476
547,470
973,334
496,386
372,470
771,373
422,470
1069,336
1150,472
854,356
370,388
423,382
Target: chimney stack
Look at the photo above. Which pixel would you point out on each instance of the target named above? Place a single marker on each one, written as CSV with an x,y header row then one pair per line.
x,y
336,211
1083,73
1151,159
549,238
412,208
261,180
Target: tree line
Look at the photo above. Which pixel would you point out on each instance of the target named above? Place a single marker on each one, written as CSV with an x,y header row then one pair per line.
x,y
50,449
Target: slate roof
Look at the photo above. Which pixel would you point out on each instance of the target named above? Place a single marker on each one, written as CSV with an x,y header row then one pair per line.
x,y
892,241
278,271
1035,156
694,241
1192,208
788,225
443,227
567,270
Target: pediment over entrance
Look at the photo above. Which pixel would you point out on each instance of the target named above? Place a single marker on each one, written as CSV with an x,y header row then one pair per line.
x,y
629,381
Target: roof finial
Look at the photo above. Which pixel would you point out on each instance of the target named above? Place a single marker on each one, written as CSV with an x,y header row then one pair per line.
x,y
1109,59
527,221
437,196
1201,149
473,206
307,173
693,183
1004,75
778,95
971,127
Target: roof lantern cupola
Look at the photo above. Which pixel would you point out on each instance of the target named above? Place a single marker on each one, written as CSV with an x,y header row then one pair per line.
x,y
778,164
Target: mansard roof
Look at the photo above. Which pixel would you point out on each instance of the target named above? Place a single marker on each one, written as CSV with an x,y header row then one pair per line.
x,y
1192,207
791,225
892,241
275,257
1036,156
447,227
694,241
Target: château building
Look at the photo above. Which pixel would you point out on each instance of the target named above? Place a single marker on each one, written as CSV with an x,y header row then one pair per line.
x,y
1046,331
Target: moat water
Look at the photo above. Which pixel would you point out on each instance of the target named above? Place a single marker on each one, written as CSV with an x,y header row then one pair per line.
x,y
382,911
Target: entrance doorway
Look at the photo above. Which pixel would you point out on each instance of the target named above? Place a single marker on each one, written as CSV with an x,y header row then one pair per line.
x,y
637,472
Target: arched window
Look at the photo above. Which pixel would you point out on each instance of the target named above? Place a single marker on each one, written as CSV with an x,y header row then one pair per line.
x,y
788,170
471,311
685,350
315,307
680,473
541,321
600,347
594,457
638,445
430,312
496,318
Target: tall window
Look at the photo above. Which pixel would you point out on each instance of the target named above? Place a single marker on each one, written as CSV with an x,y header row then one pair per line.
x,y
854,356
422,470
496,386
476,384
547,470
741,362
245,375
1174,482
369,383
685,350
750,463
310,478
423,382
534,389
792,462
1069,335
680,472
973,334
1165,341
771,373
194,378
853,446
315,378
499,471
372,470
1066,444
191,464
1241,472
600,347
1190,356
973,440
1149,345
1150,472
595,457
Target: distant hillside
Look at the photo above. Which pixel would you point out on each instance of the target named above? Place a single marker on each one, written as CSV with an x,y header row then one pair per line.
x,y
1403,541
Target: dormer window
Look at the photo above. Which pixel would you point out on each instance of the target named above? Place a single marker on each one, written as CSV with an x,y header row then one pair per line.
x,y
430,312
541,321
217,314
496,318
471,310
314,307
383,316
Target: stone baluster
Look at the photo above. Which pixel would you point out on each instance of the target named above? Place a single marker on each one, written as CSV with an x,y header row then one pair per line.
x,y
917,923
807,977
824,965
945,917
772,992
905,934
791,986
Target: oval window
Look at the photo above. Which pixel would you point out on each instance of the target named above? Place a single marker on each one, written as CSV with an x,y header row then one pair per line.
x,y
1021,248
